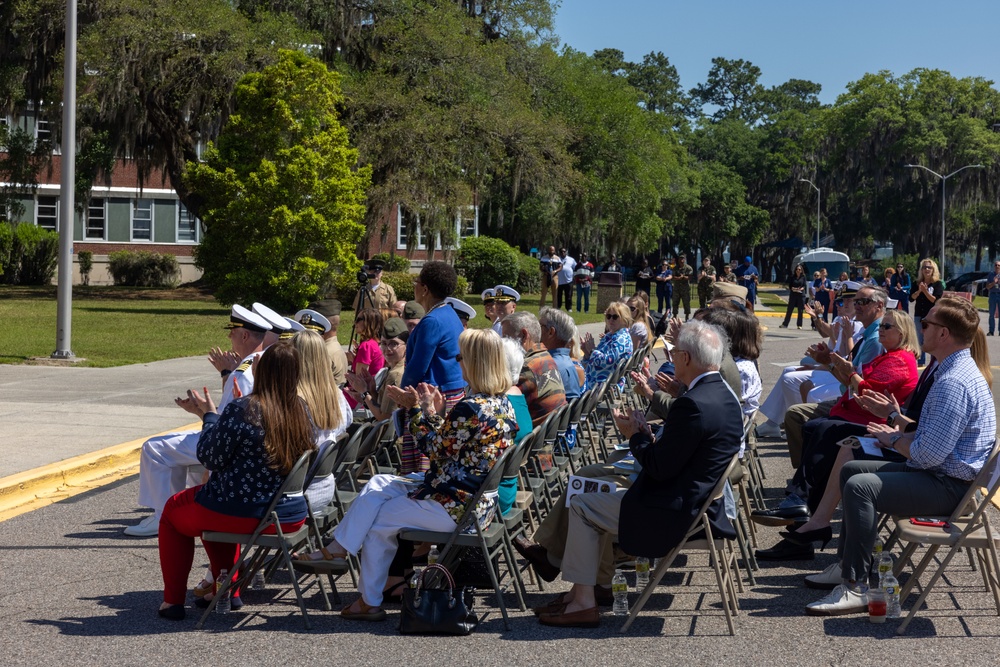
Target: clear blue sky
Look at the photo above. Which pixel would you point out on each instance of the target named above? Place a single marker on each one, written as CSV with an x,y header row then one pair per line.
x,y
832,42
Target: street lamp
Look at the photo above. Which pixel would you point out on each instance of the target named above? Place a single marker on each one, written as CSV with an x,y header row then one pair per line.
x,y
806,180
944,179
67,193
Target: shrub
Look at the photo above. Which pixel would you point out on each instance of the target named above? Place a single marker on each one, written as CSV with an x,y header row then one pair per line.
x,y
401,282
529,280
393,263
143,269
33,255
462,288
487,262
6,244
85,259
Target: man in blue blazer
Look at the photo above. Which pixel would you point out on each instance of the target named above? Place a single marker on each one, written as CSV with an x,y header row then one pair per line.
x,y
680,469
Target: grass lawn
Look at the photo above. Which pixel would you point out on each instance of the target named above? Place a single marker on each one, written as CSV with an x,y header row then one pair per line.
x,y
115,326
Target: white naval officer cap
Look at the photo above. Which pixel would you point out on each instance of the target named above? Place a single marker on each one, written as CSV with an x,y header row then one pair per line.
x,y
313,321
242,318
276,321
462,308
504,293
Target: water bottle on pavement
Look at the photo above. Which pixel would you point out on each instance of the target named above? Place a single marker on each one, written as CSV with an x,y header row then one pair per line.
x,y
641,572
876,558
884,566
258,582
891,588
433,555
619,587
223,606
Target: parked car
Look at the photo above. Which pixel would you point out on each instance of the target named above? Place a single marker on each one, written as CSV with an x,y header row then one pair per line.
x,y
973,281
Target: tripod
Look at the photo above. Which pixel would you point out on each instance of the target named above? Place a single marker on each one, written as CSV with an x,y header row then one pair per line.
x,y
364,295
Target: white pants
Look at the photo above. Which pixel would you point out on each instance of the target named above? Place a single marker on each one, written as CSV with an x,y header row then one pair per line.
x,y
786,392
824,392
380,512
163,467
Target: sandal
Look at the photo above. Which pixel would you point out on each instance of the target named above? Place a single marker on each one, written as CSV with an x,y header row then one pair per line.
x,y
367,613
327,559
203,588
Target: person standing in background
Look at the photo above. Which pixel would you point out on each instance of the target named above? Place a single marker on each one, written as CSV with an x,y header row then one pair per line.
x,y
584,278
993,285
900,287
796,295
682,287
565,277
706,278
549,279
664,286
644,277
748,276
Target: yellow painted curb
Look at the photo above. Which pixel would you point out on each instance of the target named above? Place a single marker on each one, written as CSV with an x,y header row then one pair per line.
x,y
33,489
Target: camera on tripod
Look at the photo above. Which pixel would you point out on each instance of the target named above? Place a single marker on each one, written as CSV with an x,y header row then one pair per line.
x,y
363,277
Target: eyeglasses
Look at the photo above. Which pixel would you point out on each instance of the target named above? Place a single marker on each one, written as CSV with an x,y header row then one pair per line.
x,y
863,302
899,266
885,326
610,316
927,268
390,345
926,323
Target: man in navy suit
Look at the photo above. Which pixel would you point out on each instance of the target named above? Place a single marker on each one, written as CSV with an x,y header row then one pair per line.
x,y
679,470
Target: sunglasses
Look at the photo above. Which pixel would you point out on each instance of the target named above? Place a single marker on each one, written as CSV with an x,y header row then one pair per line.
x,y
610,316
885,326
863,302
926,323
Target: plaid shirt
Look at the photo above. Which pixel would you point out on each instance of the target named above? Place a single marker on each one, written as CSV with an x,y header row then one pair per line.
x,y
958,422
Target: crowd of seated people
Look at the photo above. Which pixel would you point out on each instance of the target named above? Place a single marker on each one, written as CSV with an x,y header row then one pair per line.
x,y
462,396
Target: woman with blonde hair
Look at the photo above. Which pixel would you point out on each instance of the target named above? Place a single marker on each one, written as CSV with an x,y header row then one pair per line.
x,y
461,446
329,413
641,329
600,359
926,289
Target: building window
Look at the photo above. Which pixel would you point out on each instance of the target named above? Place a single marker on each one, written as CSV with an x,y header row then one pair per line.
x,y
468,222
406,224
142,220
187,225
42,131
96,219
47,213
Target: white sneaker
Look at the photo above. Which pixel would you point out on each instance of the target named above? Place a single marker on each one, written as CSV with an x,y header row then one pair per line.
x,y
148,527
840,602
826,580
769,430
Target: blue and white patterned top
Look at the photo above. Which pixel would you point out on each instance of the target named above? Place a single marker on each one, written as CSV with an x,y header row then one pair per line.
x,y
958,422
611,349
242,481
751,385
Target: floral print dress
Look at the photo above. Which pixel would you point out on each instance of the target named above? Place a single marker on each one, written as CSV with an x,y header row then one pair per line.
x,y
462,448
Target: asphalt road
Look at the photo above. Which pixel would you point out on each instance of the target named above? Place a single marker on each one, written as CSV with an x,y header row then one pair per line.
x,y
76,591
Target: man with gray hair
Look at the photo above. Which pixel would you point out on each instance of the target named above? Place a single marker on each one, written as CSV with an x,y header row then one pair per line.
x,y
680,468
558,332
540,381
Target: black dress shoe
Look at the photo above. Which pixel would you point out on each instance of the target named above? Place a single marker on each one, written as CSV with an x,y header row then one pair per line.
x,y
824,535
791,510
538,557
785,550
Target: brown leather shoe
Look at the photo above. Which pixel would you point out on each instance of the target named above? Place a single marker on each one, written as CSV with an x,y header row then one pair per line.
x,y
585,618
537,556
553,606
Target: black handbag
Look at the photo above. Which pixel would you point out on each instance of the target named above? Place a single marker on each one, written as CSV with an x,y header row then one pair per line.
x,y
429,609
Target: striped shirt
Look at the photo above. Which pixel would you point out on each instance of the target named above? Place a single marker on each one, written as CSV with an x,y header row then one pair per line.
x,y
958,422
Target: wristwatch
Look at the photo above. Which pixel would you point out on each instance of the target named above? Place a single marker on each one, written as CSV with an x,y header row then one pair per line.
x,y
894,439
891,419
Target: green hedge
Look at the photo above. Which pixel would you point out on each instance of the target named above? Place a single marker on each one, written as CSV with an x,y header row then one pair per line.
x,y
487,262
529,278
28,254
393,263
143,269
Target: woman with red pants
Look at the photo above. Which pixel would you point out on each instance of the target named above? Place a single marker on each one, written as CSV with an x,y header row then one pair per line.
x,y
250,448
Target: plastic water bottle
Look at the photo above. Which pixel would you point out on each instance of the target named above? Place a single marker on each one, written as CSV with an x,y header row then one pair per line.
x,y
223,606
641,572
891,589
884,567
415,579
258,582
433,555
619,587
876,558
